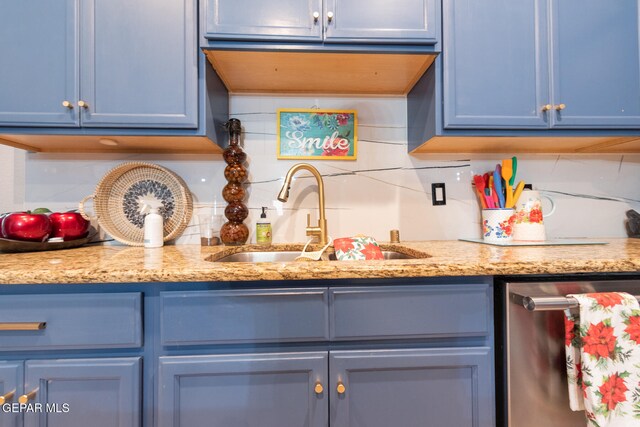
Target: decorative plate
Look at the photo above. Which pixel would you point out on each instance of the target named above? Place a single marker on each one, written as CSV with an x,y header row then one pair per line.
x,y
122,192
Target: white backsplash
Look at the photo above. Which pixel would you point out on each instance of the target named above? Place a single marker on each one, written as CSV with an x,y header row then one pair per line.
x,y
384,189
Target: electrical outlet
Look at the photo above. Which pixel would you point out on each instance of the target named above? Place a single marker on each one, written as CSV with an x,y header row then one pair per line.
x,y
438,194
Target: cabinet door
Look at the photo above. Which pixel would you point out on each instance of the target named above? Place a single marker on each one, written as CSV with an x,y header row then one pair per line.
x,y
11,374
263,20
139,63
84,392
596,63
495,64
398,21
39,65
412,388
266,390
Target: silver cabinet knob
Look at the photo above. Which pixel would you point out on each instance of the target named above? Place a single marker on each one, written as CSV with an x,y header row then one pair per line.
x,y
83,104
67,104
330,16
316,16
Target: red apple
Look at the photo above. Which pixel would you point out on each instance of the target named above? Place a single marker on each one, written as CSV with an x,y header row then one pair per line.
x,y
26,226
68,225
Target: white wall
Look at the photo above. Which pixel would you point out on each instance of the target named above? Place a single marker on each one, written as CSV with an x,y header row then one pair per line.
x,y
12,184
384,189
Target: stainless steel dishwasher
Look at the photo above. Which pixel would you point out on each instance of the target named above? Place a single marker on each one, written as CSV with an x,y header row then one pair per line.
x,y
532,357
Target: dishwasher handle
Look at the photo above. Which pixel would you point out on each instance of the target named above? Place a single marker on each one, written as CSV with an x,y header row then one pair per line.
x,y
547,303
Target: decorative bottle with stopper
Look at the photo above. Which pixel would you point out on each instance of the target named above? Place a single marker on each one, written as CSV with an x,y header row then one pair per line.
x,y
234,232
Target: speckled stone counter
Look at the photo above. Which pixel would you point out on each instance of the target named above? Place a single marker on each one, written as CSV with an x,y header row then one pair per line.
x,y
187,263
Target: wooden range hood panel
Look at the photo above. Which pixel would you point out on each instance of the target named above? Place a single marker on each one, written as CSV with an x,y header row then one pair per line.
x,y
318,72
515,145
125,144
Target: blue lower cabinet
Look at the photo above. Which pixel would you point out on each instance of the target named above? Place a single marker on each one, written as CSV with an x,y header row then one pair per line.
x,y
84,392
10,389
450,387
238,390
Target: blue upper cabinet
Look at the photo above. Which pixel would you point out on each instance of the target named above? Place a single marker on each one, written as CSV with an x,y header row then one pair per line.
x,y
364,21
595,63
142,72
112,63
495,69
39,72
534,64
264,20
336,21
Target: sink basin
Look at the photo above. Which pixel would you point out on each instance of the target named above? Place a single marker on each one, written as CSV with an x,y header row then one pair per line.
x,y
287,256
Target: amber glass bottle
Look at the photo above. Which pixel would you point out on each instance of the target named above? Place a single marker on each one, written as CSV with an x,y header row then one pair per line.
x,y
234,232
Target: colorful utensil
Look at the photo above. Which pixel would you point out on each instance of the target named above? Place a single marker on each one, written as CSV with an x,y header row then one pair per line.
x,y
494,195
480,187
489,199
514,167
497,183
506,172
517,192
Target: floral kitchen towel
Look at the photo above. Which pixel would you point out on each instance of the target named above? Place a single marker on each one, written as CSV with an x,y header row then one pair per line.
x,y
357,248
603,359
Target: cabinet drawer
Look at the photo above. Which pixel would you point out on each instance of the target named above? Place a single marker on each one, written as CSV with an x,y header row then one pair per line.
x,y
399,312
70,321
242,316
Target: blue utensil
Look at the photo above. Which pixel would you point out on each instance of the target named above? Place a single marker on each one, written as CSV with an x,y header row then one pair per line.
x,y
497,182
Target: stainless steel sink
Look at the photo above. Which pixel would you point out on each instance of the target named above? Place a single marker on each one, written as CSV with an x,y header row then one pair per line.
x,y
270,256
287,256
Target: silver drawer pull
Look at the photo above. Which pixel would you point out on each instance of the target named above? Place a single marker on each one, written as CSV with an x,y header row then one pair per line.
x,y
22,326
549,303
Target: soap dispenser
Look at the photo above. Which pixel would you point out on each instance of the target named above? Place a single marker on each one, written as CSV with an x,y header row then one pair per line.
x,y
153,225
263,229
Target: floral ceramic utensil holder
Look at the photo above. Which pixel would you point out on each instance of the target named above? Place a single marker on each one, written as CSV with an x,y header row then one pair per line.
x,y
497,225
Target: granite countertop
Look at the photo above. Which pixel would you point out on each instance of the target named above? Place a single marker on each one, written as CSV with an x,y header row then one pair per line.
x,y
187,263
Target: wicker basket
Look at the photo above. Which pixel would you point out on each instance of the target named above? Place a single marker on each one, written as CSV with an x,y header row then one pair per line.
x,y
117,201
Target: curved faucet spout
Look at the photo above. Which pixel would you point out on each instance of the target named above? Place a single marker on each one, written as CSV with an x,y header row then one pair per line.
x,y
320,230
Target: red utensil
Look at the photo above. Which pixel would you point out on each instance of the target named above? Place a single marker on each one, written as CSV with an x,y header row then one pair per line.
x,y
480,186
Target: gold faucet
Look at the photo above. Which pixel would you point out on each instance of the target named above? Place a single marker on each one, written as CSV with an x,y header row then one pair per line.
x,y
320,231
